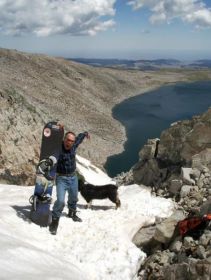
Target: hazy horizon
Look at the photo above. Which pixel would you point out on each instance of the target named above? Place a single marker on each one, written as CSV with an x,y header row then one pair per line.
x,y
153,55
183,55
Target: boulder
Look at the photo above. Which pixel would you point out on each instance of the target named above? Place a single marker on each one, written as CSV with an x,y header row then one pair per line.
x,y
144,239
202,159
175,186
205,207
165,230
149,150
149,173
185,190
186,174
144,236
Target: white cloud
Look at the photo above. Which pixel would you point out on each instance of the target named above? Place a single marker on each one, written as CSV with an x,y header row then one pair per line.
x,y
191,11
47,17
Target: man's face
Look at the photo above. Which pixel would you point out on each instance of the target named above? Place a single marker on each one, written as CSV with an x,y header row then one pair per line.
x,y
69,140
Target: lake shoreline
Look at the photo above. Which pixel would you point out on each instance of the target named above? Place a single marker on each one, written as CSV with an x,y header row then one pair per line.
x,y
170,117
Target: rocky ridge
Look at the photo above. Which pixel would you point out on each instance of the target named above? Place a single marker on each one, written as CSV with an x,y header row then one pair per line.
x,y
36,88
177,166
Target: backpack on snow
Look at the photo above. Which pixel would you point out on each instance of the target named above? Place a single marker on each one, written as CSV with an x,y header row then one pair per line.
x,y
194,226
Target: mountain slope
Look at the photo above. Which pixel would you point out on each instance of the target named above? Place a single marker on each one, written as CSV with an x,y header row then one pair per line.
x,y
38,88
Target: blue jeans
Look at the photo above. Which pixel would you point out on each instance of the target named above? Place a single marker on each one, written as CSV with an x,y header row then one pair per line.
x,y
63,184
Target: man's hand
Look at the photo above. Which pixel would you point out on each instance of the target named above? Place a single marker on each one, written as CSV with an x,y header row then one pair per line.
x,y
87,135
60,124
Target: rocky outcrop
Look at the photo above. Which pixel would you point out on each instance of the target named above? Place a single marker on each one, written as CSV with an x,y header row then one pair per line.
x,y
169,253
183,140
174,256
180,169
124,178
184,144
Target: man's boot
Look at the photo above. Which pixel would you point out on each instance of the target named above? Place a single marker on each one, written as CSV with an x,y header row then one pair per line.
x,y
54,225
72,215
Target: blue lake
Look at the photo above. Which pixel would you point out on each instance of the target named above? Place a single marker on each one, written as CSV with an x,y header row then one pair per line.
x,y
146,116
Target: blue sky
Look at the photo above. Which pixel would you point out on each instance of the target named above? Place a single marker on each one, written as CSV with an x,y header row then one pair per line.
x,y
132,29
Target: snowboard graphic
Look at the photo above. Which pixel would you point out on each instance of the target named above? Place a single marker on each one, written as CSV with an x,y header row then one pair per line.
x,y
51,145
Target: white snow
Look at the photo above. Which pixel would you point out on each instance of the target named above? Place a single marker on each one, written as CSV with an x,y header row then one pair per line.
x,y
92,173
99,248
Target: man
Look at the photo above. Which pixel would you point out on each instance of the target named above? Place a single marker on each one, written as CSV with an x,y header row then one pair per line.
x,y
66,179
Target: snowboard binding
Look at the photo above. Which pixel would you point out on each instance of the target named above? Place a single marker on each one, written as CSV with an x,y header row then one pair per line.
x,y
45,166
36,199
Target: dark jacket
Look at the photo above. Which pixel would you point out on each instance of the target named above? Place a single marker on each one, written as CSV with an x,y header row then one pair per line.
x,y
66,162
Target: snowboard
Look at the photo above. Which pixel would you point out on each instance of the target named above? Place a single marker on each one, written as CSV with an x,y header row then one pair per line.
x,y
51,145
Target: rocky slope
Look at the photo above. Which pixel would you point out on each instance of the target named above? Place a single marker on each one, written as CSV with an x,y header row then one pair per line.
x,y
38,88
178,166
185,144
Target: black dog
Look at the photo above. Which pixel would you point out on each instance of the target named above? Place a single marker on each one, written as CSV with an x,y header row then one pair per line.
x,y
90,192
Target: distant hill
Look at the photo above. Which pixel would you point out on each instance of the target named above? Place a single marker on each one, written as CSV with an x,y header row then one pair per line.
x,y
104,62
204,63
144,64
